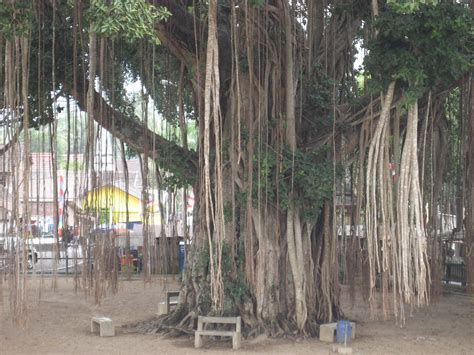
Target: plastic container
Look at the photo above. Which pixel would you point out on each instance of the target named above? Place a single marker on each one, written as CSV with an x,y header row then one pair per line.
x,y
181,256
343,331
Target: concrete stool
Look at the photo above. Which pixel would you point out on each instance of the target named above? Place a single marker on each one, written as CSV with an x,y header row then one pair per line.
x,y
103,325
172,300
162,308
327,332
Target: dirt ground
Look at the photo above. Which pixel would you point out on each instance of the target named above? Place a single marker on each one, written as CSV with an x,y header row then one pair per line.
x,y
59,322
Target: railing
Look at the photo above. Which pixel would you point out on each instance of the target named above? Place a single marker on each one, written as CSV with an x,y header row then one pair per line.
x,y
455,273
66,264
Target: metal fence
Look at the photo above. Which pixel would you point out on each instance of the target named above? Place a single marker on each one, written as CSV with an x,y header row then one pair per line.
x,y
455,273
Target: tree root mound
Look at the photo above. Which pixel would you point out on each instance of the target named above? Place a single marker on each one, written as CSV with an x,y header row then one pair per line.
x,y
182,322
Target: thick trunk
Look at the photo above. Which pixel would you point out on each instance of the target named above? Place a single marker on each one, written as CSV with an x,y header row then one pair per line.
x,y
293,222
266,266
271,300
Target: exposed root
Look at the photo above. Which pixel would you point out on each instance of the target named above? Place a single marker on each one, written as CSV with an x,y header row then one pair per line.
x,y
176,323
183,322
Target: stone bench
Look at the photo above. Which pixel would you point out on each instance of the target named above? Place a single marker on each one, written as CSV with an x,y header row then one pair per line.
x,y
236,334
103,325
327,332
171,301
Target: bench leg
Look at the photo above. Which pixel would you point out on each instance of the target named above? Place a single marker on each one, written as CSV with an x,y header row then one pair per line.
x,y
197,339
107,329
95,328
236,340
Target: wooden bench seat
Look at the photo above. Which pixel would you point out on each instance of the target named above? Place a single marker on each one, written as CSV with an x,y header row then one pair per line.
x,y
235,334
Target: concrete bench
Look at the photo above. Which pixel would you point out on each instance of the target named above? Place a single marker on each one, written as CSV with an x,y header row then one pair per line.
x,y
235,334
103,325
327,332
171,301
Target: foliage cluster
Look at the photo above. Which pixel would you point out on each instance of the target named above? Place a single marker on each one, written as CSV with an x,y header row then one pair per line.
x,y
15,18
236,289
129,19
421,48
453,118
308,174
317,102
407,6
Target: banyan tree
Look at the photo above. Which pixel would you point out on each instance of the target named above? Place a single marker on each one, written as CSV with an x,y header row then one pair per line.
x,y
290,129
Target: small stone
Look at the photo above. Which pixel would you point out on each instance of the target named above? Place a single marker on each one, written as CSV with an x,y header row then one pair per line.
x,y
344,350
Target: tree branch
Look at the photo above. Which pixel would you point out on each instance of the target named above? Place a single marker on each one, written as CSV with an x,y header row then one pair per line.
x,y
177,33
167,154
12,141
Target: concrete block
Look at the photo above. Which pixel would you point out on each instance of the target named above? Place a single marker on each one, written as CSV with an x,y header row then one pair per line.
x,y
327,332
344,350
169,302
162,308
103,325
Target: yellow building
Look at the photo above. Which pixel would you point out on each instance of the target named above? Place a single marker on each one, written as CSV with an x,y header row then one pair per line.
x,y
110,204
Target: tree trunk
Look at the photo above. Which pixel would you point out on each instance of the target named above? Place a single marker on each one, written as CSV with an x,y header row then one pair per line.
x,y
469,180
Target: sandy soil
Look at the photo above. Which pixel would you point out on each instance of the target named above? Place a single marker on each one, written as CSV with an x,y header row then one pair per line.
x,y
59,322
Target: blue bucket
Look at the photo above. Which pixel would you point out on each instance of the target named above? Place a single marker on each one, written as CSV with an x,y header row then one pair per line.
x,y
181,257
343,331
